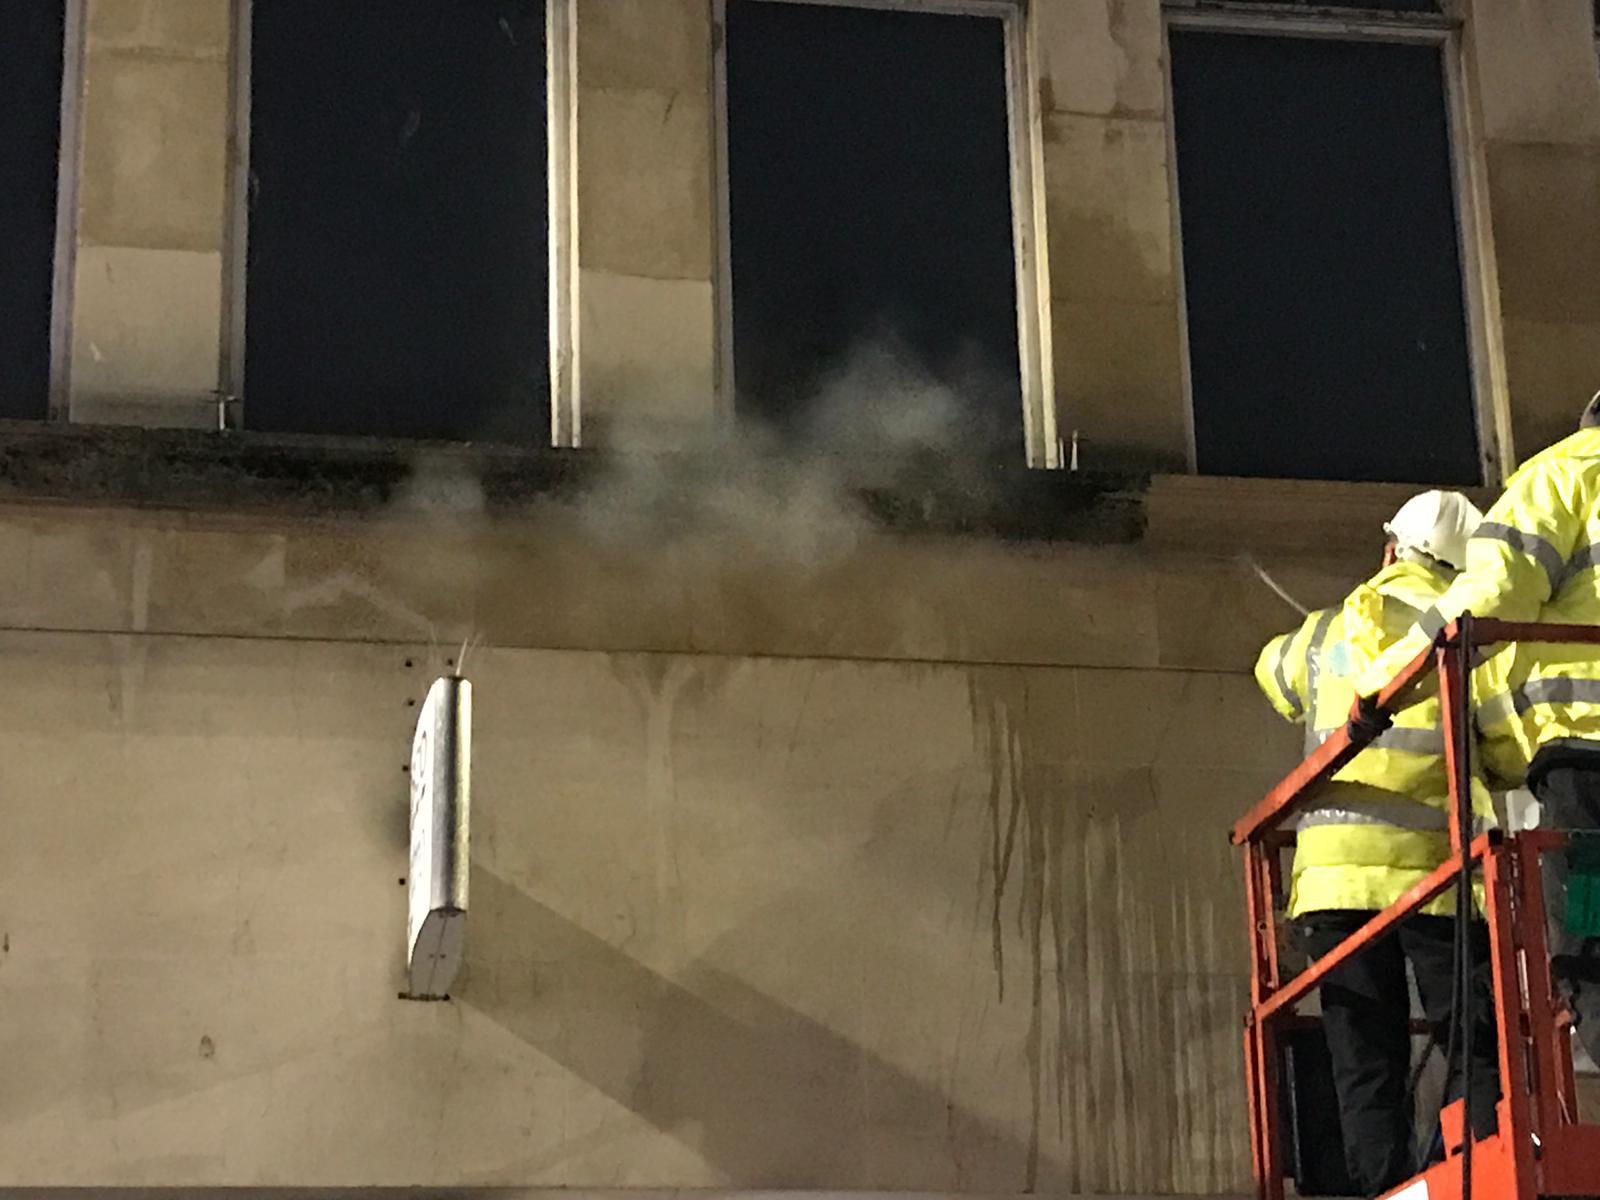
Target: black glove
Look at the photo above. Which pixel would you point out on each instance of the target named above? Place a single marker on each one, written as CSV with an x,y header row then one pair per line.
x,y
1367,720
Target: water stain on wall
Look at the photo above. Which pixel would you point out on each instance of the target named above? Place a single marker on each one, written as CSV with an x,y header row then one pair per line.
x,y
1026,832
1125,961
659,685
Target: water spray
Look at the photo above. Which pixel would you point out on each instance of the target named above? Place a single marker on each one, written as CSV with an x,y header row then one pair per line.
x,y
1278,589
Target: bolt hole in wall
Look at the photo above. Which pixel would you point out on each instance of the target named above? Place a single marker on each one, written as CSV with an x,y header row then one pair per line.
x,y
870,214
32,39
1328,334
398,214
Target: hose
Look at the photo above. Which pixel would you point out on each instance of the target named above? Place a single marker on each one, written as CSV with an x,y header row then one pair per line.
x,y
1463,982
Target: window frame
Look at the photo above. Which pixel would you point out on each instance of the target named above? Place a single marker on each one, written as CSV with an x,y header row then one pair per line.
x,y
1485,354
69,172
561,201
1041,418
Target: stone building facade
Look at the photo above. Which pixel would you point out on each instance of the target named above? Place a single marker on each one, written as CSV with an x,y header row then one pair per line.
x,y
850,831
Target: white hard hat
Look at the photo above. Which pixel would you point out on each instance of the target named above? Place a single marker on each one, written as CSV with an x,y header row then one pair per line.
x,y
1440,524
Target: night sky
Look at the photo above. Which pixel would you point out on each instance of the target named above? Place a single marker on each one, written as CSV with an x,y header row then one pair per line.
x,y
398,247
31,42
870,197
1327,333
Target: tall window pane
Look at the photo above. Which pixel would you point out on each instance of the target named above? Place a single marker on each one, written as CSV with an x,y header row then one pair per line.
x,y
397,270
32,36
870,208
1327,329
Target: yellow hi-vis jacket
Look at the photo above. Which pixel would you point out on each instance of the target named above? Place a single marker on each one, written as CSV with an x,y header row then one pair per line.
x,y
1533,559
1382,823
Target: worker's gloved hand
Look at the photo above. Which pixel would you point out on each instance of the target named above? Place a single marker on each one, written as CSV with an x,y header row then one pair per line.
x,y
1367,720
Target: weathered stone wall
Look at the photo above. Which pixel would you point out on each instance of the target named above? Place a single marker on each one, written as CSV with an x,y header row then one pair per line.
x,y
898,866
1113,266
148,287
646,225
906,872
1535,90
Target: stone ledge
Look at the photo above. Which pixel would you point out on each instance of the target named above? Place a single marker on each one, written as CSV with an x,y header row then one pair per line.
x,y
1278,515
291,475
266,477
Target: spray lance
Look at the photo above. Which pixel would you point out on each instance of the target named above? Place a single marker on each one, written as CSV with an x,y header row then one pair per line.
x,y
1277,588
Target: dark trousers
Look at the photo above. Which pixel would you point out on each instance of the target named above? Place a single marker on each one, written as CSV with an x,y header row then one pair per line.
x,y
1568,791
1366,1012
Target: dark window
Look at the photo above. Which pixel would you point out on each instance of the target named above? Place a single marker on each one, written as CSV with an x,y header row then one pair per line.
x,y
870,208
32,37
1327,331
397,274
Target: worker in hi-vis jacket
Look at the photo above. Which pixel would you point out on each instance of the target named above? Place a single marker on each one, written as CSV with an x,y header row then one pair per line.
x,y
1376,829
1534,558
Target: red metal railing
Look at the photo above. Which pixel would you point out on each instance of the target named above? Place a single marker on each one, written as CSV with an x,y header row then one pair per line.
x,y
1539,1149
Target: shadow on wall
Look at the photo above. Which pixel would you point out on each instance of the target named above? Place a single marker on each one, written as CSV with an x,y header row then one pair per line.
x,y
765,1095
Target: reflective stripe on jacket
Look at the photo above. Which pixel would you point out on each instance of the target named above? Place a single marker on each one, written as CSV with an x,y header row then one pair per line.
x,y
1535,558
1381,824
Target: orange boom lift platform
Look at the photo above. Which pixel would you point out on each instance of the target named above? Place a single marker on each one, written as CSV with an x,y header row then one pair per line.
x,y
1540,1148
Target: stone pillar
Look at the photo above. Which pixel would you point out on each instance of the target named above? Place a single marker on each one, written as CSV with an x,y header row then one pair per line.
x,y
148,281
645,220
1534,91
1113,275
